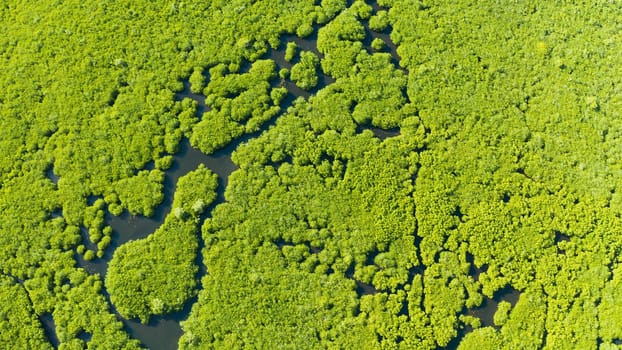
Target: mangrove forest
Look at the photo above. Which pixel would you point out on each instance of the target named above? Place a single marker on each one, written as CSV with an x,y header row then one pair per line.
x,y
311,174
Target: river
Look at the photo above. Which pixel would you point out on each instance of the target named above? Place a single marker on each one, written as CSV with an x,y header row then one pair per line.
x,y
162,333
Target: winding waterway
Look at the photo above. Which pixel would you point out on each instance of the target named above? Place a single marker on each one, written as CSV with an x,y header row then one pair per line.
x,y
162,333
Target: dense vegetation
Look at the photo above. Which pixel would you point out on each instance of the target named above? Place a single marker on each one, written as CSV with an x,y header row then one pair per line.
x,y
500,172
20,325
156,275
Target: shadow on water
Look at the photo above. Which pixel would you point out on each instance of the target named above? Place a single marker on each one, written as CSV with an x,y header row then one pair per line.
x,y
199,98
131,227
308,43
49,328
384,35
128,227
96,266
385,133
485,312
361,288
380,133
85,336
390,47
559,238
364,288
163,332
49,173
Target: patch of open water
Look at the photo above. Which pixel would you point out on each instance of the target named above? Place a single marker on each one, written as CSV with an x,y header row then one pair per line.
x,y
163,332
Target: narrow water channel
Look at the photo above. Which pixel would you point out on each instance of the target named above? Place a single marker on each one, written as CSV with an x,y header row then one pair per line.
x,y
127,227
49,328
162,333
487,310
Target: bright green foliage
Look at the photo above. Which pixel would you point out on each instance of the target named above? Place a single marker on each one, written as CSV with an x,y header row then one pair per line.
x,y
503,156
340,43
486,338
610,309
381,106
284,73
519,154
150,186
93,222
501,315
304,73
74,299
334,198
362,10
197,80
88,96
501,176
195,191
524,329
379,22
27,230
277,95
356,70
345,27
378,44
239,103
164,163
277,321
19,325
156,275
332,8
290,51
304,30
89,255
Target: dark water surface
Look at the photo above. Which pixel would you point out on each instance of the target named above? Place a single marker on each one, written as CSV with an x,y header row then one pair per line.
x,y
163,333
487,310
49,329
128,227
